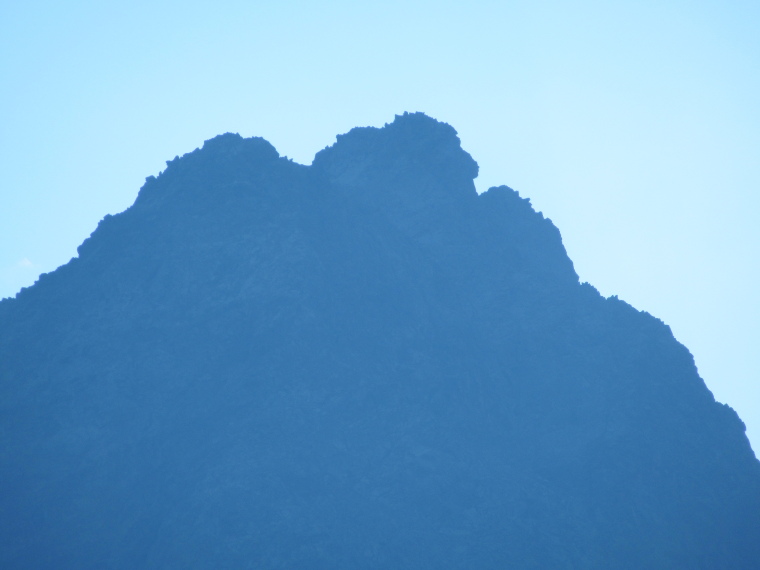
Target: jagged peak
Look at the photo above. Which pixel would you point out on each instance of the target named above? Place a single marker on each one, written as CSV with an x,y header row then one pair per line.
x,y
221,157
234,143
412,142
226,146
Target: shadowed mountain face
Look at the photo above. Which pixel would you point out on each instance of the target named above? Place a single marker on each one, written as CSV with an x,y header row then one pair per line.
x,y
357,364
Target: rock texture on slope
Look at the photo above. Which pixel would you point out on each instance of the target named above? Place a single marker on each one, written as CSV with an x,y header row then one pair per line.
x,y
361,363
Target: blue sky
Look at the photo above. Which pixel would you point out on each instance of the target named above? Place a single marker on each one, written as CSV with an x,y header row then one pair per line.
x,y
634,126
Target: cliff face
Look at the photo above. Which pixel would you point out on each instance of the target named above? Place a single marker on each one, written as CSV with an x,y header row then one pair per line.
x,y
361,363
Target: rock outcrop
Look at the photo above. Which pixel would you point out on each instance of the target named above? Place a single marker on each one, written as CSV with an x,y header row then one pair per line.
x,y
360,363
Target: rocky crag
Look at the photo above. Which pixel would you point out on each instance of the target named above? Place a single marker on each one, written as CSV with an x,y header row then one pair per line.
x,y
360,363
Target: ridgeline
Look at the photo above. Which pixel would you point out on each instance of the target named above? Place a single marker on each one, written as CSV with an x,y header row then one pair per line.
x,y
360,363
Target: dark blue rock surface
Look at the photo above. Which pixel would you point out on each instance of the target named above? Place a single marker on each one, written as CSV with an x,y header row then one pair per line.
x,y
361,363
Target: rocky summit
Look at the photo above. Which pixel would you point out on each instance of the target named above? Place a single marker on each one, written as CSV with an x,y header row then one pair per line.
x,y
361,363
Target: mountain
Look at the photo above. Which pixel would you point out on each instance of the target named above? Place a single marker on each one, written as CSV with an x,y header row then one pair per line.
x,y
360,363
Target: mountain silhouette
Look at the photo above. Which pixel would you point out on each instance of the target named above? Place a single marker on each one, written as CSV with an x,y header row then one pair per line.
x,y
361,363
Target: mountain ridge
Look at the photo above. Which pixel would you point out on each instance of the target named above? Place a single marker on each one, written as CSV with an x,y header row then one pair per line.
x,y
361,362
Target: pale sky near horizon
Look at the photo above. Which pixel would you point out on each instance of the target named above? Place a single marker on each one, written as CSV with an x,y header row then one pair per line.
x,y
634,126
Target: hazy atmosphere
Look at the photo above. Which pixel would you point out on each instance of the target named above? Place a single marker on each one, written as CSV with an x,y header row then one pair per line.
x,y
634,127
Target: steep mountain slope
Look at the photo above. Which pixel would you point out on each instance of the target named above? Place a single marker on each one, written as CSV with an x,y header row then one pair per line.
x,y
357,364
